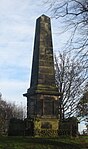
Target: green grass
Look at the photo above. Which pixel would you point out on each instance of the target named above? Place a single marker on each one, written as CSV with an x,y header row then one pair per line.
x,y
43,143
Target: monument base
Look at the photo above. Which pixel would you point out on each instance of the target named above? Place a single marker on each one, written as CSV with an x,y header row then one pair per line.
x,y
46,127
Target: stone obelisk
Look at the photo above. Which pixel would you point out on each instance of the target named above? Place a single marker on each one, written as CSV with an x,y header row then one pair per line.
x,y
42,96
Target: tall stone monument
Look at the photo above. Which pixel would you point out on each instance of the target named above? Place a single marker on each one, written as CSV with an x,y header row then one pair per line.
x,y
43,96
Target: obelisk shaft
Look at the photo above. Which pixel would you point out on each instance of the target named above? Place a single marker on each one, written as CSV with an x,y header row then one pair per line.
x,y
43,76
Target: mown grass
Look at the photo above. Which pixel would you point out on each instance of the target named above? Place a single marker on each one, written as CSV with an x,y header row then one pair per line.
x,y
43,143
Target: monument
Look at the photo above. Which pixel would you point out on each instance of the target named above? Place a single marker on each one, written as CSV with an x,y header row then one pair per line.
x,y
43,95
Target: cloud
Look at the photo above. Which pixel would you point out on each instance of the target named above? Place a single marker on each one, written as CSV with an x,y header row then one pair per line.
x,y
13,91
17,30
15,54
16,33
16,23
16,47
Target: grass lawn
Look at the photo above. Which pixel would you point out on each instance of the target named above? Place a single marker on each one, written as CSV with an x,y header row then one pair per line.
x,y
43,143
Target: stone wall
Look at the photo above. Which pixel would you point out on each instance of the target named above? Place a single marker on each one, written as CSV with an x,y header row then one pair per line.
x,y
69,127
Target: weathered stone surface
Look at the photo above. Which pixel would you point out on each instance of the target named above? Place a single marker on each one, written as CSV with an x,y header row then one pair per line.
x,y
42,96
46,127
43,77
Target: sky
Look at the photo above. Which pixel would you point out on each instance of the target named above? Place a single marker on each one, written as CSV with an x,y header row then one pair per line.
x,y
17,30
16,46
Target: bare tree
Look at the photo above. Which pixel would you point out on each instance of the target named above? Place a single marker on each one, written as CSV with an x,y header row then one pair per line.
x,y
70,80
17,111
74,15
72,75
83,105
8,111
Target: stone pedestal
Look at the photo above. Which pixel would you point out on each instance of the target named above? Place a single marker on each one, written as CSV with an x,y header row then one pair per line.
x,y
46,127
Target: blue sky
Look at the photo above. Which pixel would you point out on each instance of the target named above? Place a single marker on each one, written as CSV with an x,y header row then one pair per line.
x,y
16,41
17,29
